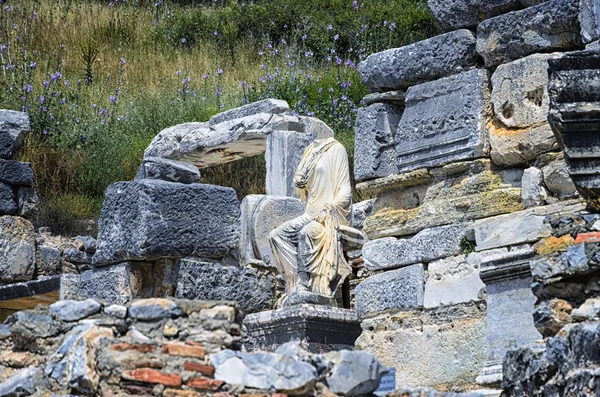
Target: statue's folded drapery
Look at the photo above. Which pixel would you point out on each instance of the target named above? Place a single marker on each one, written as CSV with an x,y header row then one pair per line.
x,y
306,249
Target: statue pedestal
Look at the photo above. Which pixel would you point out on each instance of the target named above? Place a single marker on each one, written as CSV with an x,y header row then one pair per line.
x,y
317,328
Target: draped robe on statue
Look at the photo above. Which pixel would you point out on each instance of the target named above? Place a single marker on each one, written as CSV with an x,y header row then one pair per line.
x,y
306,249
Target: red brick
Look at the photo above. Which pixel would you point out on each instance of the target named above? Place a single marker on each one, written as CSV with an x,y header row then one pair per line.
x,y
593,237
279,395
148,375
207,370
138,347
184,349
205,383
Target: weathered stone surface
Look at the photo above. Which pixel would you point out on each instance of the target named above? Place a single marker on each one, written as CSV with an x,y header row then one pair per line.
x,y
354,372
589,310
374,145
425,246
110,284
457,14
444,121
260,215
73,363
28,202
284,152
557,179
519,91
13,127
28,294
424,347
547,27
167,170
589,20
551,316
533,192
117,311
90,244
30,325
400,289
516,228
360,212
16,173
573,87
153,219
512,146
454,280
427,60
390,97
274,106
17,249
70,310
395,182
460,192
48,260
264,371
23,383
206,280
8,206
316,328
153,309
74,255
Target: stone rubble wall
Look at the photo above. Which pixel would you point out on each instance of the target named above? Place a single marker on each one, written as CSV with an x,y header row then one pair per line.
x,y
455,146
163,347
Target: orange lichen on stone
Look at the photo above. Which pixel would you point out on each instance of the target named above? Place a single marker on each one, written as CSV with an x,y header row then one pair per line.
x,y
553,244
497,127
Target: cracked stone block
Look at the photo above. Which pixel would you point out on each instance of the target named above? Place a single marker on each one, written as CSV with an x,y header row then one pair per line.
x,y
13,128
457,14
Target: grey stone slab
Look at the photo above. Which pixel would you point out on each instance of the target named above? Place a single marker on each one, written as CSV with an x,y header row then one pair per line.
x,y
17,249
519,91
23,383
74,255
71,310
589,20
153,309
389,97
89,243
547,27
444,121
16,173
455,280
360,212
557,179
167,170
457,14
354,373
31,288
426,60
274,106
427,245
118,311
201,279
13,128
260,215
152,219
284,151
516,228
400,289
28,202
8,206
533,192
109,284
518,146
374,144
48,260
316,328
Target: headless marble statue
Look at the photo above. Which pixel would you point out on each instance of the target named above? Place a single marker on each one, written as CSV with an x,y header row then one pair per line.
x,y
306,250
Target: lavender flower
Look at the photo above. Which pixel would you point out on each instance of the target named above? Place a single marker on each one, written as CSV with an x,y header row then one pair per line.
x,y
219,71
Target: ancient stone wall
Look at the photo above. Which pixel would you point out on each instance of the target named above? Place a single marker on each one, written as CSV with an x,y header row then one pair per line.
x,y
455,145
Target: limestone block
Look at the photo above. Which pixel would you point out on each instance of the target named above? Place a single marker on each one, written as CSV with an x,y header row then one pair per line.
x,y
8,206
589,20
457,14
557,179
353,373
201,279
259,216
374,145
426,352
17,249
28,201
519,91
427,245
110,284
13,127
460,192
426,60
513,146
455,280
71,310
23,383
16,173
48,260
516,228
273,106
444,121
167,170
547,27
152,219
400,289
533,192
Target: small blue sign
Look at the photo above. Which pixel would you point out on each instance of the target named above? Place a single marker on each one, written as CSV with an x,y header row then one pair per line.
x,y
387,384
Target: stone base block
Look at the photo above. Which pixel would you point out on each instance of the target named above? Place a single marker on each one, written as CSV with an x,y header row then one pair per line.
x,y
316,328
491,374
